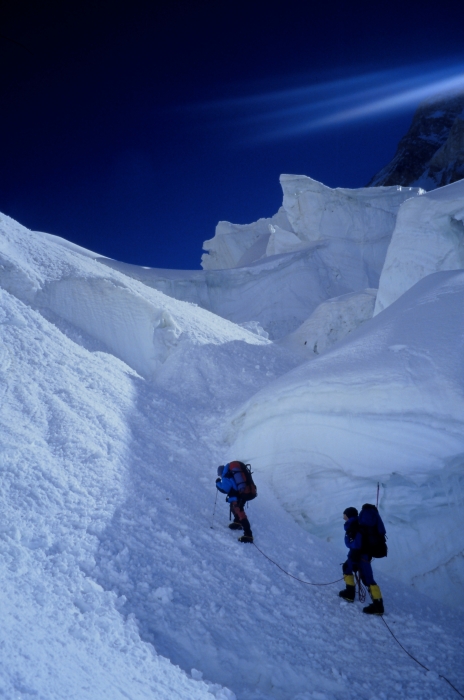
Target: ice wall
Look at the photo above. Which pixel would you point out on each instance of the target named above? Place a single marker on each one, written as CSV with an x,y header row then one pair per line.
x,y
387,405
317,212
240,244
279,292
428,237
313,212
323,243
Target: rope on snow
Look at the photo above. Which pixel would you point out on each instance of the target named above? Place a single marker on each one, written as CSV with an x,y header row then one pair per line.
x,y
418,662
362,597
308,583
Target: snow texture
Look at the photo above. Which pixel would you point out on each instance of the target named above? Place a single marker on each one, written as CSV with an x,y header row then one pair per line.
x,y
120,578
64,466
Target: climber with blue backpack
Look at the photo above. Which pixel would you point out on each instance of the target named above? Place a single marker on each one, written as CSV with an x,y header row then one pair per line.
x,y
235,480
365,539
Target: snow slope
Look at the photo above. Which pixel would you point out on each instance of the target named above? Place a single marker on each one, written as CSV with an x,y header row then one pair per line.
x,y
141,326
65,449
117,580
384,405
109,559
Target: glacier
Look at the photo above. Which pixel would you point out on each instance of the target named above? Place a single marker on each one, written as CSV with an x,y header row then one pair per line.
x,y
122,388
428,237
322,243
312,212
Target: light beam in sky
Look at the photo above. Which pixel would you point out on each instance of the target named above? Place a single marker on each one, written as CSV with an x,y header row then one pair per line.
x,y
280,114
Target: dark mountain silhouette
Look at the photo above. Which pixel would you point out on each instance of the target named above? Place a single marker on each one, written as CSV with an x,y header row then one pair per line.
x,y
431,153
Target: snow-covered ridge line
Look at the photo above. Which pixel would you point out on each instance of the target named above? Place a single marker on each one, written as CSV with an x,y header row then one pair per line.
x,y
141,326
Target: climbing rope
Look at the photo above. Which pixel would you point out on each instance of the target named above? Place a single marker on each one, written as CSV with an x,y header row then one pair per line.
x,y
418,662
362,598
361,589
308,583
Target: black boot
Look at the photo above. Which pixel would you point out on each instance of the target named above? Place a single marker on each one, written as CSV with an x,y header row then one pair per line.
x,y
236,526
375,608
247,533
348,593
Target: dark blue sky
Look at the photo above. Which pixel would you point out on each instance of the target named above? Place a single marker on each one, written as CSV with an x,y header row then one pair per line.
x,y
131,128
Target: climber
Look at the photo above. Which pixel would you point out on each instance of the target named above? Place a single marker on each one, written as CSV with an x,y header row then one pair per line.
x,y
236,481
359,531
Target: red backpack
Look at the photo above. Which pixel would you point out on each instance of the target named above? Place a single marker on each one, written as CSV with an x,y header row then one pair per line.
x,y
242,476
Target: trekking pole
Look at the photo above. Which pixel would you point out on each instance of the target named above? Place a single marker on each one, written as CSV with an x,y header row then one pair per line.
x,y
378,489
214,511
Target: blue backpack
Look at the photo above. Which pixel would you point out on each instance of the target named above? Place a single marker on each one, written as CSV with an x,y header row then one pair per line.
x,y
373,532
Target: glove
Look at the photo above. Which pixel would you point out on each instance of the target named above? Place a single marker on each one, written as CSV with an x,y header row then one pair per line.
x,y
218,480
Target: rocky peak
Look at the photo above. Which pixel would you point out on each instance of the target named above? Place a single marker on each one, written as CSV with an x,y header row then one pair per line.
x,y
431,154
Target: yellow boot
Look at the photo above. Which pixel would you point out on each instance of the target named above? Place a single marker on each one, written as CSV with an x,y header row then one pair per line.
x,y
376,607
350,591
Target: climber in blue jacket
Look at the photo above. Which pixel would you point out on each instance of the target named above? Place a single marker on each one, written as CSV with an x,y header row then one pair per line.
x,y
359,559
232,481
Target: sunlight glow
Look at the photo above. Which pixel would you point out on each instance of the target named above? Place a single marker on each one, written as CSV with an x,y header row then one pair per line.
x,y
280,114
